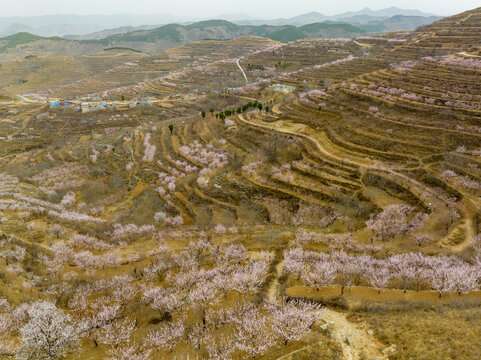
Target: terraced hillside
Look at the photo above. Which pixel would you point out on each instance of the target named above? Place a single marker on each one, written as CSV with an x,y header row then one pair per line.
x,y
123,72
243,199
456,33
38,74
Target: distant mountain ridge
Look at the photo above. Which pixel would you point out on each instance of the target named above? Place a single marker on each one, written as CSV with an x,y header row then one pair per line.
x,y
388,12
222,29
150,39
313,17
61,25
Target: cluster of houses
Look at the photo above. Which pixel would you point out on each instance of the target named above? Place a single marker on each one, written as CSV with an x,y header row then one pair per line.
x,y
95,104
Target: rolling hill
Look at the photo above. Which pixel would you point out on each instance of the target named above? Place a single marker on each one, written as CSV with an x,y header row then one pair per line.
x,y
168,36
151,39
22,38
221,29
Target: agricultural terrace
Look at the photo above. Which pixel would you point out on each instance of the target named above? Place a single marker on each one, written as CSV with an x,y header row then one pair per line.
x,y
328,207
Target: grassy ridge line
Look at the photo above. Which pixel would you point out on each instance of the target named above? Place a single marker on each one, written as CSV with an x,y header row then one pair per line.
x,y
217,29
123,48
285,33
23,38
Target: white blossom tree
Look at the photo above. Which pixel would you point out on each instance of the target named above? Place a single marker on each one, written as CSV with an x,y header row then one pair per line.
x,y
129,351
392,221
252,336
48,334
291,320
321,274
168,336
378,278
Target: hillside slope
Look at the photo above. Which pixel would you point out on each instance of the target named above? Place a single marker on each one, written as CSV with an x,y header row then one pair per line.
x,y
245,198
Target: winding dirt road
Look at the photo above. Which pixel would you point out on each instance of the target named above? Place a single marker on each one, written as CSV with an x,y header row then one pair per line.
x,y
241,69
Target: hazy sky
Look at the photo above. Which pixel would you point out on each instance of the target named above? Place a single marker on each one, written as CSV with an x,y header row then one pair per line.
x,y
208,8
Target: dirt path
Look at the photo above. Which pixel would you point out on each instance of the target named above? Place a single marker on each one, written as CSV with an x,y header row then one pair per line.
x,y
274,287
472,205
361,44
469,55
23,98
241,69
321,142
356,342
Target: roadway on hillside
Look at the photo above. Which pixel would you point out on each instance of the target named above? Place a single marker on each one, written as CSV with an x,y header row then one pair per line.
x,y
241,69
21,97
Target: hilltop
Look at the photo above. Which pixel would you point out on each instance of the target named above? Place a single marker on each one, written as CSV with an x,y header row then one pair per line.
x,y
21,38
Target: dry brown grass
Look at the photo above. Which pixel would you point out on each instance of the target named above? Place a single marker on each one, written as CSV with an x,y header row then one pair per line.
x,y
424,332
